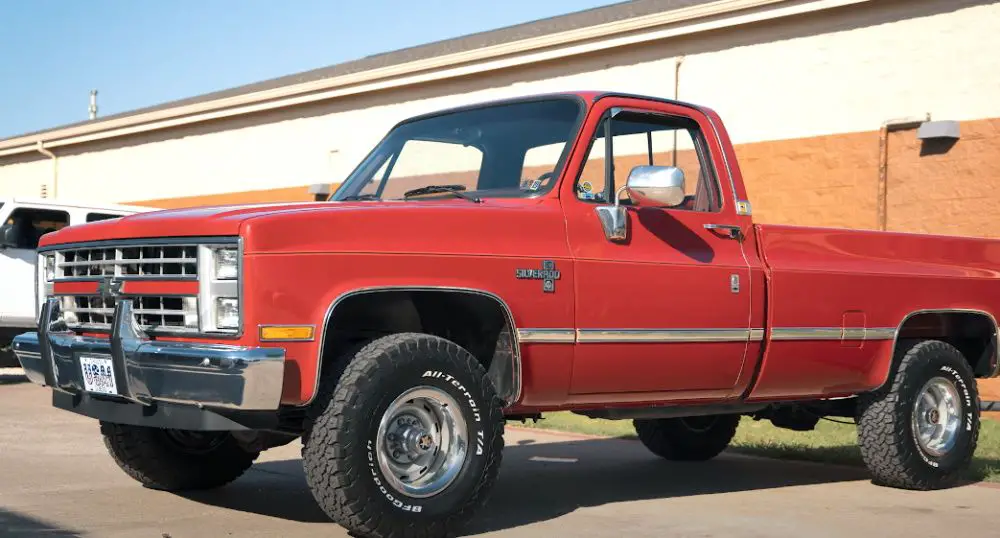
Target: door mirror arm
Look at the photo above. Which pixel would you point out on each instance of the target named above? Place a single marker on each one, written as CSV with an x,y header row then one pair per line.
x,y
614,219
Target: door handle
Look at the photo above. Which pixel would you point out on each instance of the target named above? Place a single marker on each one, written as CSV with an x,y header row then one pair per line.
x,y
731,231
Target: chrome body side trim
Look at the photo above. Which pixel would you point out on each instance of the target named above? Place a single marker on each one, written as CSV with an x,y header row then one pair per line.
x,y
806,333
595,336
831,333
515,342
543,336
882,333
602,336
200,375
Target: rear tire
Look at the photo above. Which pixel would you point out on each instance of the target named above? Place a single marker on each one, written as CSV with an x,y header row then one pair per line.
x,y
921,432
688,438
176,460
381,426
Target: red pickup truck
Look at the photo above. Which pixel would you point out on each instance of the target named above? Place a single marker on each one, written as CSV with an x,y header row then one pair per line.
x,y
591,252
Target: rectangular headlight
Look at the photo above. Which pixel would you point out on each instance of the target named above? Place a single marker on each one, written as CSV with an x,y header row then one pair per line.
x,y
227,313
49,267
226,263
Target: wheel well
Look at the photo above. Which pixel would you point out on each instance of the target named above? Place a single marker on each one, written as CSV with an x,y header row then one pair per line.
x,y
479,322
972,333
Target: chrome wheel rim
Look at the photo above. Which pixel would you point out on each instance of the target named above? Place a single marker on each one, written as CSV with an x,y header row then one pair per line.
x,y
422,442
937,416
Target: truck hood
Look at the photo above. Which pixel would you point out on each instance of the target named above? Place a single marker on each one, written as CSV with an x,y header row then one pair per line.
x,y
497,226
209,221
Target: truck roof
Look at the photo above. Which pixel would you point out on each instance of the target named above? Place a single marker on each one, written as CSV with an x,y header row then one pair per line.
x,y
80,205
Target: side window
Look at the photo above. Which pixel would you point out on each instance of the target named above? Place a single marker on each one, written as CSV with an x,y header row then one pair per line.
x,y
642,139
94,217
29,225
427,162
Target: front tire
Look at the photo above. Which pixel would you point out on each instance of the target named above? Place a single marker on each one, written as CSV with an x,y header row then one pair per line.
x,y
176,460
922,432
688,438
405,439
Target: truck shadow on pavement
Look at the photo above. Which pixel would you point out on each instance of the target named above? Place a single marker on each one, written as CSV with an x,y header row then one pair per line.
x,y
543,481
15,525
12,379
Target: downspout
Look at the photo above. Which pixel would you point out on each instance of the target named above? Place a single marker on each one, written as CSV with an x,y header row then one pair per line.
x,y
55,166
677,92
890,126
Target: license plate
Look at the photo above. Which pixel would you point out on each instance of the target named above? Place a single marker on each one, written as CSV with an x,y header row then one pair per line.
x,y
98,374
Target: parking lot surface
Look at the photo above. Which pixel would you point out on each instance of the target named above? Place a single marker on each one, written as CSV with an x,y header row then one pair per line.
x,y
57,480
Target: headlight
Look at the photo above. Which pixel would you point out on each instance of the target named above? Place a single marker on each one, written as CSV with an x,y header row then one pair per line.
x,y
227,313
226,263
49,267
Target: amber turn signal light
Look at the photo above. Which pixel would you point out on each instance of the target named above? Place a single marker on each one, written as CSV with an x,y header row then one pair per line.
x,y
286,332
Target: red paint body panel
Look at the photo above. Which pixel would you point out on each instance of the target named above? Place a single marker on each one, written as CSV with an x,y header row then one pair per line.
x,y
671,274
884,275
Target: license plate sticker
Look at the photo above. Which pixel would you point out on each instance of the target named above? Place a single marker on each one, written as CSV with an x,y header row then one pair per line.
x,y
98,374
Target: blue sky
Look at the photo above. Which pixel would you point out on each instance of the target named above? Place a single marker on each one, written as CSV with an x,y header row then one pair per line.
x,y
142,52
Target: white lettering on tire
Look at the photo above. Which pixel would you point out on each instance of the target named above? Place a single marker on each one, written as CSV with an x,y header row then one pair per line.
x,y
415,508
461,388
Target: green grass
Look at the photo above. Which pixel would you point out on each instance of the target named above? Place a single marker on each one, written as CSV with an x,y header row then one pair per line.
x,y
828,443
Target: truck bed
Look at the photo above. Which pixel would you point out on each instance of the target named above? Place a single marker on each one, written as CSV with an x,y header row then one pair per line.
x,y
840,298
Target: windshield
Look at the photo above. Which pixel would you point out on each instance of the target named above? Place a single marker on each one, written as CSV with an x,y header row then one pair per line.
x,y
509,150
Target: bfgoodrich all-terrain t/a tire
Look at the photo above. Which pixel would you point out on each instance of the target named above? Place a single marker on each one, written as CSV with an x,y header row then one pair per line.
x,y
176,460
689,438
405,438
921,432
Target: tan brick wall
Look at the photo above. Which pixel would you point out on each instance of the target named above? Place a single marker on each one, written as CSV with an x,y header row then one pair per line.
x,y
817,181
956,192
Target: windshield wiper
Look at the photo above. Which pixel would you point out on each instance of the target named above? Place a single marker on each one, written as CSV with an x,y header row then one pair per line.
x,y
455,190
359,197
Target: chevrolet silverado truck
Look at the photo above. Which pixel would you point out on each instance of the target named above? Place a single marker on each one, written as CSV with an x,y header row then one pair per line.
x,y
589,252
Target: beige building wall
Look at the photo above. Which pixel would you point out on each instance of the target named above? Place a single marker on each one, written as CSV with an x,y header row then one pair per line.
x,y
836,72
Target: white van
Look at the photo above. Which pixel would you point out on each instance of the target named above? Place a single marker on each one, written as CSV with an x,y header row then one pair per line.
x,y
22,224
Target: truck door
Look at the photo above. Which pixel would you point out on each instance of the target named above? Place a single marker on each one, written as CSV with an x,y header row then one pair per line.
x,y
663,312
20,233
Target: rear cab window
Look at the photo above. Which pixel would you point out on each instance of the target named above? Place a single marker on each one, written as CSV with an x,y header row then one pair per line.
x,y
95,217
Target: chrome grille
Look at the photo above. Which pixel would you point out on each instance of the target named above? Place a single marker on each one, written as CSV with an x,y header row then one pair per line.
x,y
151,312
170,261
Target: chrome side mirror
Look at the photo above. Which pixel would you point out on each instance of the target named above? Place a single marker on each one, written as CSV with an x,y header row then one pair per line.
x,y
8,236
658,186
653,186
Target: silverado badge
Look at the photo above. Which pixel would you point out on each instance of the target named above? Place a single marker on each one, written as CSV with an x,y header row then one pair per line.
x,y
548,274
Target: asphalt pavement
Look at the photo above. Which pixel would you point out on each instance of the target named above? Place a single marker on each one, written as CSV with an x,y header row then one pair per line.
x,y
56,480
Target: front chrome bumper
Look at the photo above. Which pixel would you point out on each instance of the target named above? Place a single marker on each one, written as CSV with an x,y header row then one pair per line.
x,y
147,372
